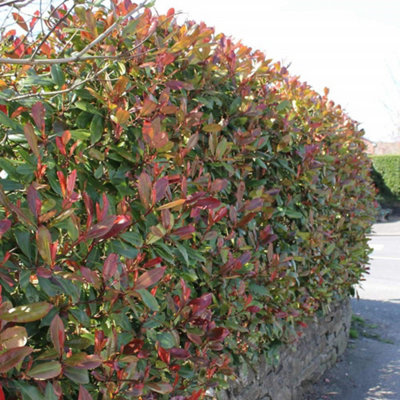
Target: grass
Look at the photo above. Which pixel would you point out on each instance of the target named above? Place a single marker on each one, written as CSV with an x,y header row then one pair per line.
x,y
360,327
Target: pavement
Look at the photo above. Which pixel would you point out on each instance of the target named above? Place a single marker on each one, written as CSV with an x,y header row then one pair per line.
x,y
370,367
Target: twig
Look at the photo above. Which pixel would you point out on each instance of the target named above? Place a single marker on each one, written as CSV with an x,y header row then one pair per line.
x,y
10,3
57,92
52,30
77,57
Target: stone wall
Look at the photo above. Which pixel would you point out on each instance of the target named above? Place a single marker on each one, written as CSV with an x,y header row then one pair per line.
x,y
324,339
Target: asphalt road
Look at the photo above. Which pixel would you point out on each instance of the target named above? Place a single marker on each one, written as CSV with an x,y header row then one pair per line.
x,y
370,367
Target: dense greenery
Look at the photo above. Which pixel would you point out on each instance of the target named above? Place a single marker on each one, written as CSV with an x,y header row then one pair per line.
x,y
386,176
171,204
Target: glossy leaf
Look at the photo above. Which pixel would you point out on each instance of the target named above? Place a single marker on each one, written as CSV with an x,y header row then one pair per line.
x,y
43,239
12,357
32,140
45,370
27,313
15,336
149,278
57,334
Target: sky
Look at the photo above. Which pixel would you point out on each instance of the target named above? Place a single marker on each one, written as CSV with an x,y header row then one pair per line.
x,y
350,46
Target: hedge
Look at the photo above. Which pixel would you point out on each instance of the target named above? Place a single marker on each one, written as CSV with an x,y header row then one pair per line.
x,y
386,177
171,204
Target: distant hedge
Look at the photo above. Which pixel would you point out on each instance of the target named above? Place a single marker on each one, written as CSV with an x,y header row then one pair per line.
x,y
170,206
386,176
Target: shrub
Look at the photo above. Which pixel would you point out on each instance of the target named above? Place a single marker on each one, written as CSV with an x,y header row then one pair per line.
x,y
172,203
386,177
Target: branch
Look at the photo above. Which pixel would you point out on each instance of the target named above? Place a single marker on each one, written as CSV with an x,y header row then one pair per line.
x,y
79,56
52,30
57,92
10,2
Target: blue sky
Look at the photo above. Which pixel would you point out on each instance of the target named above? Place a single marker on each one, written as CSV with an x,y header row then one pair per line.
x,y
350,46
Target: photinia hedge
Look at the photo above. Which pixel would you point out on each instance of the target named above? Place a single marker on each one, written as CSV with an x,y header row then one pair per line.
x,y
172,204
386,177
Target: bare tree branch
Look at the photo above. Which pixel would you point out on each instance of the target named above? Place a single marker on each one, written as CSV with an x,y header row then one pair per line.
x,y
57,92
80,56
10,2
61,20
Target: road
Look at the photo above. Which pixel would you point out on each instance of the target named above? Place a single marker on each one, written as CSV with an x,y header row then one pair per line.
x,y
370,367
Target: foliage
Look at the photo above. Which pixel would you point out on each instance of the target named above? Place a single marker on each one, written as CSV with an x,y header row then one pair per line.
x,y
171,205
386,177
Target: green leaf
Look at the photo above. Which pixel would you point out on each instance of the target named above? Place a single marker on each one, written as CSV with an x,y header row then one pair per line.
x,y
123,249
182,250
24,242
134,238
27,313
49,393
80,134
77,375
28,392
10,123
148,299
9,185
47,370
130,27
166,339
58,75
96,129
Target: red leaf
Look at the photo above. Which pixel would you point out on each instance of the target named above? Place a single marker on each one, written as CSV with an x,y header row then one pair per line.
x,y
148,107
121,223
253,309
71,179
102,228
159,190
31,138
20,21
246,219
185,232
208,202
144,187
253,204
13,357
57,334
63,184
149,278
153,262
218,334
201,303
84,361
164,355
221,213
185,291
2,396
153,135
89,209
34,202
179,353
5,225
177,85
196,395
38,113
110,266
218,185
84,394
102,212
60,145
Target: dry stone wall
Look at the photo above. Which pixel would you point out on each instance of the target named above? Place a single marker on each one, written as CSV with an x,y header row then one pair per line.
x,y
322,342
